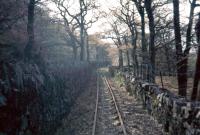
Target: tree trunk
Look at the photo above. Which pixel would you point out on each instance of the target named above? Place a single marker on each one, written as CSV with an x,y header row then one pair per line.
x,y
82,55
181,62
88,48
189,29
30,29
143,35
127,52
167,55
134,55
188,35
195,93
120,58
75,52
128,59
141,12
148,5
182,77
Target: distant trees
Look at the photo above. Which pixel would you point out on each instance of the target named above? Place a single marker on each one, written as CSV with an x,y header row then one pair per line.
x,y
154,33
125,38
22,17
77,20
127,15
117,37
70,26
141,10
163,24
164,42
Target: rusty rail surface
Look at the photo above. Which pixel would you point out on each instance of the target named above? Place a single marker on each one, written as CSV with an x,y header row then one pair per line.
x,y
116,106
96,108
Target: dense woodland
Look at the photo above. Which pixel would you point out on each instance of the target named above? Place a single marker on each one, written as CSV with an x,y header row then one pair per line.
x,y
161,39
48,56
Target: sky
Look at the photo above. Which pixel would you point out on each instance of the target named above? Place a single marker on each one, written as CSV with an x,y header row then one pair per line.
x,y
102,25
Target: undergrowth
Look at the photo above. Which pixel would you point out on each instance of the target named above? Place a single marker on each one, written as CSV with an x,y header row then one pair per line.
x,y
119,79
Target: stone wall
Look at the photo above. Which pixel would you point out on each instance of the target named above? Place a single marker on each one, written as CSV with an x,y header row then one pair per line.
x,y
33,102
177,115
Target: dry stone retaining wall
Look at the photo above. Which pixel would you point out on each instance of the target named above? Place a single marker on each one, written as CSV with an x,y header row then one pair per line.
x,y
35,102
177,115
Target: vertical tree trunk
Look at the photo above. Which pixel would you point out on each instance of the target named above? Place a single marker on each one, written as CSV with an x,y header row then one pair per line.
x,y
148,5
128,58
75,52
196,78
181,63
195,94
127,52
88,48
82,46
82,32
189,28
134,55
140,10
120,58
168,60
188,35
143,35
30,29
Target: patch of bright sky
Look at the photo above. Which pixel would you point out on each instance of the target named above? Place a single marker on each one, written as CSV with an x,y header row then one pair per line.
x,y
104,6
102,24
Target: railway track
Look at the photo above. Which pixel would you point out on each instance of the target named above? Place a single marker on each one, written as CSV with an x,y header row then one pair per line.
x,y
107,119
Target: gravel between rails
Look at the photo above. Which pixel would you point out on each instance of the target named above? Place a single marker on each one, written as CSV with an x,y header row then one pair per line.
x,y
107,120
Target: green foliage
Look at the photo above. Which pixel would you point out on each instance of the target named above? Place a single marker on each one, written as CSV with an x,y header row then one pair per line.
x,y
119,79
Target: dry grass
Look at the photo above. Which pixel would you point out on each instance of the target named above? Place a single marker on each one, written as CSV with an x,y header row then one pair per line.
x,y
171,83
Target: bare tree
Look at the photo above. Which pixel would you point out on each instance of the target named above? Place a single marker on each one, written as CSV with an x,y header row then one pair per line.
x,y
78,19
85,6
141,10
149,10
117,38
127,49
195,94
127,16
182,55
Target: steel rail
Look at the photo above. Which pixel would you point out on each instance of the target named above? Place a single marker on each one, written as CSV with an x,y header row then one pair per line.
x,y
96,108
116,106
